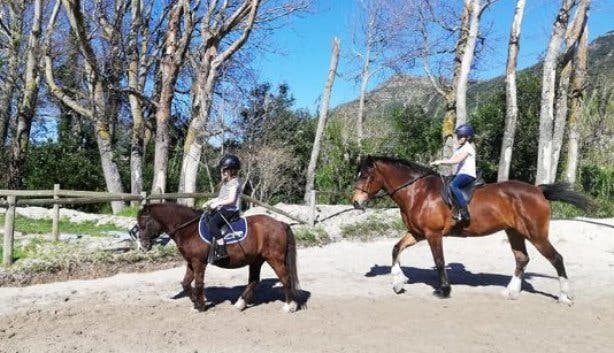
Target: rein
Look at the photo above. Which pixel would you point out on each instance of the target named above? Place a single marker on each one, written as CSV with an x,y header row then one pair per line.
x,y
404,185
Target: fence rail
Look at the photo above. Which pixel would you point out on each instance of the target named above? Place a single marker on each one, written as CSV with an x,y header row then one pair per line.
x,y
57,197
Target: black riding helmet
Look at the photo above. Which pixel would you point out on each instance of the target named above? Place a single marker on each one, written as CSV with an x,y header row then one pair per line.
x,y
229,161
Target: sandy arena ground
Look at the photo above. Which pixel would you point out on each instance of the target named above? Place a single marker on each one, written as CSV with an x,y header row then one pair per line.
x,y
351,306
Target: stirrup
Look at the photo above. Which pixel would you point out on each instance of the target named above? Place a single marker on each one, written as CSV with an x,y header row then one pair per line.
x,y
217,251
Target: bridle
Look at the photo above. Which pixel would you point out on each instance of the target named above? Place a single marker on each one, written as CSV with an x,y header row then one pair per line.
x,y
135,231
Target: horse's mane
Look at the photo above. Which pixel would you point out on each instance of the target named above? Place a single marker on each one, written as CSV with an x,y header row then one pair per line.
x,y
369,161
178,207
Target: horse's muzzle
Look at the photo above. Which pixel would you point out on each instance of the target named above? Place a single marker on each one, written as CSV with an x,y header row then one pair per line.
x,y
359,205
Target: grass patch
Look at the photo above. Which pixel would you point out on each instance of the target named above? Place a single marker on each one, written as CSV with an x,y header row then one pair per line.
x,y
130,211
37,254
604,208
375,226
306,236
43,226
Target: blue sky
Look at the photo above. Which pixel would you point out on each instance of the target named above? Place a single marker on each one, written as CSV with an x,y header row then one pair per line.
x,y
305,46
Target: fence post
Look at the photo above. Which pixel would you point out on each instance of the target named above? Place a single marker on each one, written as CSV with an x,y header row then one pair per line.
x,y
312,204
9,227
55,226
144,198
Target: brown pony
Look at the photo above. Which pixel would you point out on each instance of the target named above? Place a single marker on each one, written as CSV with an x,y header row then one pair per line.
x,y
268,240
521,209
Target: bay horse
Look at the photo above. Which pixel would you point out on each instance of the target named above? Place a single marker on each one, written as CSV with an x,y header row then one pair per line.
x,y
522,210
268,241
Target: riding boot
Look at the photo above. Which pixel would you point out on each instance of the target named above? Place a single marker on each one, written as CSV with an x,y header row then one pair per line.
x,y
218,247
456,214
464,215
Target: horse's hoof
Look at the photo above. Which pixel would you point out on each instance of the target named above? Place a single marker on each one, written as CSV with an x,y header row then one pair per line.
x,y
290,308
443,292
200,307
510,294
398,287
564,299
240,304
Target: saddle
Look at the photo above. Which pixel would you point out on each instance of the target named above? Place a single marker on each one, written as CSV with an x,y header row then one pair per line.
x,y
467,190
234,231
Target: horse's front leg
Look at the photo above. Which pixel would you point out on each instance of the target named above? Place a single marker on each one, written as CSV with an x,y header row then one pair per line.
x,y
198,293
398,277
436,244
186,283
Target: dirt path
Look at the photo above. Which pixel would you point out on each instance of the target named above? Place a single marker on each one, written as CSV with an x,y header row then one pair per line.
x,y
351,307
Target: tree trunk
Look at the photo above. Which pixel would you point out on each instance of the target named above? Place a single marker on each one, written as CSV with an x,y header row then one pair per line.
x,y
137,147
363,91
169,68
8,86
511,112
192,151
315,151
574,31
467,60
546,115
576,113
212,57
98,97
27,106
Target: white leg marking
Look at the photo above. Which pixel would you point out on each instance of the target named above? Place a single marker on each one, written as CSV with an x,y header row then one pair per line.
x,y
512,291
565,297
240,304
398,278
290,307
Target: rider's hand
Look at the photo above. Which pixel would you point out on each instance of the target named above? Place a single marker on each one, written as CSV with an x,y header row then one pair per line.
x,y
207,203
437,162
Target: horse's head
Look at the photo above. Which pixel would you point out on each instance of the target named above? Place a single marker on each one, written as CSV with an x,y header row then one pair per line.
x,y
147,229
367,183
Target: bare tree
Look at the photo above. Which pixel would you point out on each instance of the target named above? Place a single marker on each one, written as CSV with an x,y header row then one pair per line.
x,y
454,91
98,82
11,33
315,151
546,115
225,28
175,47
576,113
511,112
27,104
572,35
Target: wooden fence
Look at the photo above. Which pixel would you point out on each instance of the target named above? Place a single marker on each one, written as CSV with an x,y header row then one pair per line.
x,y
58,197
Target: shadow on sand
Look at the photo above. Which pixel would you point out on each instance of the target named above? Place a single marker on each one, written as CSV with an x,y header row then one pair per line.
x,y
459,275
268,290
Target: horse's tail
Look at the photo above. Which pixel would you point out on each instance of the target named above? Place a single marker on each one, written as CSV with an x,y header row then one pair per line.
x,y
562,192
291,261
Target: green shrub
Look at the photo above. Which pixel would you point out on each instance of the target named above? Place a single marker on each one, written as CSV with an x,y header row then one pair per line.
x,y
598,181
375,226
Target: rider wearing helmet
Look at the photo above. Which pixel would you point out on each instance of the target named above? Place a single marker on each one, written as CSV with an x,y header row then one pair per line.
x,y
465,171
226,205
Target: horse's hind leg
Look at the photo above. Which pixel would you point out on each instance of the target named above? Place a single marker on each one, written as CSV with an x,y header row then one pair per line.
x,y
283,273
254,278
398,277
544,246
517,242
